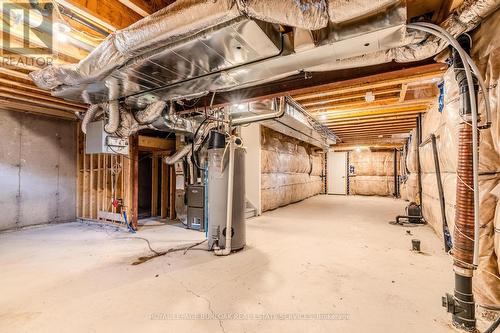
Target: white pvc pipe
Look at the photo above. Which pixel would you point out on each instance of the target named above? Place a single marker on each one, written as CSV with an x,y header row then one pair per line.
x,y
229,210
472,64
475,140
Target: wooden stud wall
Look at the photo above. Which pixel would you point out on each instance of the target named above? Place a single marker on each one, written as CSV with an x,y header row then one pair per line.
x,y
94,184
94,190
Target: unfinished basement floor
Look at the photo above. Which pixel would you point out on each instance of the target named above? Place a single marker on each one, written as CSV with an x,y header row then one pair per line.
x,y
328,255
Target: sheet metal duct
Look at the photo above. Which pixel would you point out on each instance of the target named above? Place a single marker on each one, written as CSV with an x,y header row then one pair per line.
x,y
293,120
235,52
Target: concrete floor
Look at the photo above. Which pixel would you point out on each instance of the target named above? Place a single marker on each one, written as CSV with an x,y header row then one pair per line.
x,y
328,255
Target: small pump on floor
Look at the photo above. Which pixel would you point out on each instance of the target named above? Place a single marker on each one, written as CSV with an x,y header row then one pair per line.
x,y
413,215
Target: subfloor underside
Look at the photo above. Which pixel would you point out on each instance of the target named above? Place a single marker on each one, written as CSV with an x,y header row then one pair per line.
x,y
327,264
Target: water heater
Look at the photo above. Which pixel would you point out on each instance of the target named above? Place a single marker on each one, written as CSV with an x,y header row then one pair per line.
x,y
218,175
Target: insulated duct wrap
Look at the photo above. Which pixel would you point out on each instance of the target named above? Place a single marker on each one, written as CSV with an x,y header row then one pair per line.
x,y
150,113
445,125
290,170
305,14
184,19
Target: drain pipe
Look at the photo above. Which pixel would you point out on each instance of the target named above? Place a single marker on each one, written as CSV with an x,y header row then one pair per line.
x,y
462,304
396,182
229,210
417,152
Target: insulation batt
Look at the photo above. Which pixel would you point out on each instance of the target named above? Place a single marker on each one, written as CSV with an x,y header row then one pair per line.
x,y
290,170
486,53
374,173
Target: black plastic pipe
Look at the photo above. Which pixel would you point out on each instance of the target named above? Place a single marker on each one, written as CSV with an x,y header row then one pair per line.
x,y
419,169
461,305
446,232
396,176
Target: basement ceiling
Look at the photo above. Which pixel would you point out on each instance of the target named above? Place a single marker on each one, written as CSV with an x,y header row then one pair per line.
x,y
91,20
382,109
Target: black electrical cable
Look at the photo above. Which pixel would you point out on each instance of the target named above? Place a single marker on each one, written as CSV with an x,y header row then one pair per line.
x,y
494,326
193,158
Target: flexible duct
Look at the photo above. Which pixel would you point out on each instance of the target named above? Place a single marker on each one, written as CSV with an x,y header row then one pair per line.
x,y
113,106
113,117
150,113
180,154
171,122
89,116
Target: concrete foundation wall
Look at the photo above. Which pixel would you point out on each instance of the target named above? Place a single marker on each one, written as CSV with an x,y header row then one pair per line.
x,y
37,170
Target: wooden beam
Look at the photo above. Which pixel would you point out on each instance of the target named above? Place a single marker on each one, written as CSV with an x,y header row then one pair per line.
x,y
151,143
351,146
344,131
402,94
14,73
375,130
135,180
34,101
154,185
141,7
38,96
302,84
378,130
24,86
341,97
353,105
360,136
376,106
172,179
374,125
164,190
413,74
110,14
361,121
146,7
385,111
16,106
370,117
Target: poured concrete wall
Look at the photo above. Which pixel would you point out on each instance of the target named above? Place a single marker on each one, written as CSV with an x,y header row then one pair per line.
x,y
37,170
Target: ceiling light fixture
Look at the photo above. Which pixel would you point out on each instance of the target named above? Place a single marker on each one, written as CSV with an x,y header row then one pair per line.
x,y
369,97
